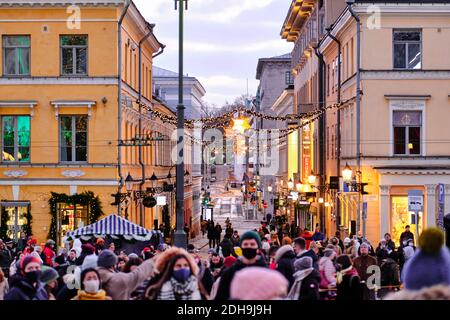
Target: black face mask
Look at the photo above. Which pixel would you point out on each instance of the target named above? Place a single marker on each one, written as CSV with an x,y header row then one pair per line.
x,y
33,276
249,253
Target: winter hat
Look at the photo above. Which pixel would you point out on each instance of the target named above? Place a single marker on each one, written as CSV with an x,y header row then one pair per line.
x,y
347,241
38,249
88,248
303,263
251,235
107,259
408,252
48,275
430,265
90,262
256,283
162,247
344,261
212,251
329,253
37,256
29,259
133,256
229,261
100,241
282,251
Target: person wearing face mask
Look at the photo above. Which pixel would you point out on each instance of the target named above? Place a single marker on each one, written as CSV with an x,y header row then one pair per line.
x,y
250,244
176,278
27,286
49,277
91,287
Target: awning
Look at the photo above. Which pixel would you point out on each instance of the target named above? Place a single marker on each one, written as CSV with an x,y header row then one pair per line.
x,y
113,225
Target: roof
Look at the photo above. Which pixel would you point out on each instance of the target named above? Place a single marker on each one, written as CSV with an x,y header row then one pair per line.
x,y
163,73
61,3
262,61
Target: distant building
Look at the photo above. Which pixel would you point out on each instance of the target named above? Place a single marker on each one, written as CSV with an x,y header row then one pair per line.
x,y
274,75
165,88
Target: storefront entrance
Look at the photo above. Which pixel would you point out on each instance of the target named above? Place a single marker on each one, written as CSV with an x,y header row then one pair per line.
x,y
401,217
16,218
70,218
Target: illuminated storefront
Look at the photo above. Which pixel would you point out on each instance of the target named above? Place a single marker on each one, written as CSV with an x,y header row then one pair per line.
x,y
401,217
71,217
15,214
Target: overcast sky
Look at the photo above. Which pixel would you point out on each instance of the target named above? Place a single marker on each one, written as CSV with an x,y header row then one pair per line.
x,y
223,41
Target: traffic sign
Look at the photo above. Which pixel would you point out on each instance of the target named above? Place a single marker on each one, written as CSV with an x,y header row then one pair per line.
x,y
441,205
415,200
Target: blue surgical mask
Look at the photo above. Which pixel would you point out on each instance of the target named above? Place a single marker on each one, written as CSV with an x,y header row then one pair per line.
x,y
182,275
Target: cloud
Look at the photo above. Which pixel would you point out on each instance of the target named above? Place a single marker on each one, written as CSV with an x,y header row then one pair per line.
x,y
202,10
205,47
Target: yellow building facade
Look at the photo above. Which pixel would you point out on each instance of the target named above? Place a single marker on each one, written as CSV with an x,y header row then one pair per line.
x,y
404,74
59,94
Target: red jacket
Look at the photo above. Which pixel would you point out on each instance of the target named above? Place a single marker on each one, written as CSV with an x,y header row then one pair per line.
x,y
49,255
307,235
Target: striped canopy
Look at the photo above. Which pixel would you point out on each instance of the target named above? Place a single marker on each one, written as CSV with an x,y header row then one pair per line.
x,y
112,225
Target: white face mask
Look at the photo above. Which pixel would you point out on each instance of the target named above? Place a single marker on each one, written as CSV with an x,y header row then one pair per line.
x,y
91,286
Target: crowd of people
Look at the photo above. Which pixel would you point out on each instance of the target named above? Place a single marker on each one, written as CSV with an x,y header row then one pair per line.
x,y
260,264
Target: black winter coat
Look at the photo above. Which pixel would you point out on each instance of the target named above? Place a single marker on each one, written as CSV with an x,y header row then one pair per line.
x,y
5,258
309,290
286,266
22,289
227,247
350,288
223,292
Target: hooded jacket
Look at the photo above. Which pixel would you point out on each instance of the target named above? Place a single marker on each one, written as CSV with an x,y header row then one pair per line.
x,y
22,289
285,258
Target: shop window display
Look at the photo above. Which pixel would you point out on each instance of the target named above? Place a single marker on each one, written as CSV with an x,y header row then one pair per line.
x,y
401,217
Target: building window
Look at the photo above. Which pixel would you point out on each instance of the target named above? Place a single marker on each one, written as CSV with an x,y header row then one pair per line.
x,y
73,142
16,138
407,132
74,55
16,55
328,80
407,49
288,78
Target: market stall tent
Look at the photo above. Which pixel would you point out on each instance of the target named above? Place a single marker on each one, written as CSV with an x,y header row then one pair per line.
x,y
114,226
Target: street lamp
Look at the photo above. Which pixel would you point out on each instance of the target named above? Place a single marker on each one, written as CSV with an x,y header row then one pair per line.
x,y
347,173
290,184
312,178
321,200
129,183
269,188
299,186
180,235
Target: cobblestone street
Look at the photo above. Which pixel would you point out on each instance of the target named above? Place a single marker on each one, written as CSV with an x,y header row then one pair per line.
x,y
227,205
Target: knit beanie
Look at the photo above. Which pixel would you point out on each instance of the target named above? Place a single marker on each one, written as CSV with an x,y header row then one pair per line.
x,y
90,262
107,259
29,259
251,235
88,248
365,245
430,265
303,263
229,261
48,275
256,283
328,252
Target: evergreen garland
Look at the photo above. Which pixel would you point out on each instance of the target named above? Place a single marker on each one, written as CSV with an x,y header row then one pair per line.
x,y
88,198
27,227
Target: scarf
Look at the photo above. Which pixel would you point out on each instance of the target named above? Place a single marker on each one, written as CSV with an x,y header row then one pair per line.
x,y
294,294
340,274
174,290
100,295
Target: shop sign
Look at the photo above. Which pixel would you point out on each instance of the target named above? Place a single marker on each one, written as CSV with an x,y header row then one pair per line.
x,y
161,201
